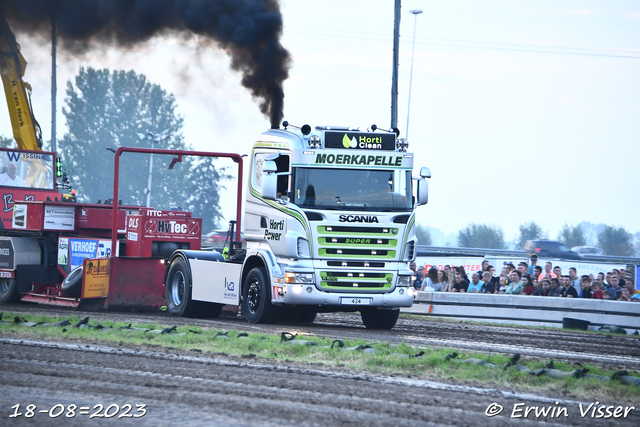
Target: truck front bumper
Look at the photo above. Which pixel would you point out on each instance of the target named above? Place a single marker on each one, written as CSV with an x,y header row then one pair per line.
x,y
308,294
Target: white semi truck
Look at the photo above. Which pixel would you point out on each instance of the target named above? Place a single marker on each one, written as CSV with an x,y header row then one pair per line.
x,y
329,226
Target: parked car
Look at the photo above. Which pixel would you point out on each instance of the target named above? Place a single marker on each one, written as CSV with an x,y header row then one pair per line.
x,y
217,238
550,248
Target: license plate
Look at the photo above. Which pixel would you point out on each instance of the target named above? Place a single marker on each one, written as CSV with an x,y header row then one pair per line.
x,y
355,301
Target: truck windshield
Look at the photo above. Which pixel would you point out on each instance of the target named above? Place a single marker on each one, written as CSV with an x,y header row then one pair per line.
x,y
352,189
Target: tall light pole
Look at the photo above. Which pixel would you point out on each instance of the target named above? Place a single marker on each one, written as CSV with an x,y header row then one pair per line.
x,y
415,13
153,138
54,87
396,56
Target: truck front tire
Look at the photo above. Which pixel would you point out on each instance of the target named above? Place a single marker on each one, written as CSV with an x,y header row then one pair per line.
x,y
178,290
374,318
9,290
256,298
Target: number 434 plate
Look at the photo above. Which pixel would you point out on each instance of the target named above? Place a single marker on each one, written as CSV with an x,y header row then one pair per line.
x,y
355,301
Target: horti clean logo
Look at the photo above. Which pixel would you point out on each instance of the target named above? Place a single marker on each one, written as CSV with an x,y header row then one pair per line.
x,y
362,142
349,143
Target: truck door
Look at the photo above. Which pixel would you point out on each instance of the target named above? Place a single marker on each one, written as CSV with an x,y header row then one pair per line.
x,y
266,220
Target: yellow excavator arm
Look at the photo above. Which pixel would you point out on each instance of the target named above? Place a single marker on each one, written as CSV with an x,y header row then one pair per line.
x,y
26,130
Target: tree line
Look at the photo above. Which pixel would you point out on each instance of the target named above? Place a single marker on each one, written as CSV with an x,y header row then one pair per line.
x,y
111,109
105,110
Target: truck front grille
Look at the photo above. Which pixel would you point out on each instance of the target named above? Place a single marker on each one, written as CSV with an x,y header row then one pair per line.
x,y
355,281
360,264
357,253
357,242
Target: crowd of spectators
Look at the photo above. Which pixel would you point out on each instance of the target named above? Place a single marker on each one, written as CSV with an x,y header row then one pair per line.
x,y
528,279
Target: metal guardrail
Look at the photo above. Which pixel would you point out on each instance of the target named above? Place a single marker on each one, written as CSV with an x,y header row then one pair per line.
x,y
525,308
449,251
612,259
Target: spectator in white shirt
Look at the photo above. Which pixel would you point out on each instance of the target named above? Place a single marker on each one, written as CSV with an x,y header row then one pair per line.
x,y
11,178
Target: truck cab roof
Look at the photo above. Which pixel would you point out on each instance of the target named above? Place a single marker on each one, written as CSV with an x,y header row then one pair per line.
x,y
335,137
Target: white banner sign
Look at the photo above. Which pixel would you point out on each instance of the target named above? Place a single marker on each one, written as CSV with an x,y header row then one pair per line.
x,y
59,217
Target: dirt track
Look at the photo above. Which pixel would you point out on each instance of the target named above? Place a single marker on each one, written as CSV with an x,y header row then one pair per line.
x,y
195,390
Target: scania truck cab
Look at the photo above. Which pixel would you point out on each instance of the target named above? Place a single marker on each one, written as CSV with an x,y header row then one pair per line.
x,y
329,226
339,221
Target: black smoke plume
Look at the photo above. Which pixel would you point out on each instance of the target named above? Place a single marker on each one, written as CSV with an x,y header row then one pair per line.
x,y
248,30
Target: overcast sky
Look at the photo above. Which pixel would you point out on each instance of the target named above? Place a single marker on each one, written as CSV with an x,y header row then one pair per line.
x,y
524,111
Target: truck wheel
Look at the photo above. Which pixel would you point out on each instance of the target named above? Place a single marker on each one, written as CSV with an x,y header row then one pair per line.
x,y
9,290
256,298
72,284
374,318
178,291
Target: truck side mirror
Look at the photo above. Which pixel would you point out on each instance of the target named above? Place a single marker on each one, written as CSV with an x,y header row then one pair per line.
x,y
269,180
423,191
425,172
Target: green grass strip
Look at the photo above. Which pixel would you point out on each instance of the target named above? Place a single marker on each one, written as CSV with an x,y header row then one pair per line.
x,y
312,351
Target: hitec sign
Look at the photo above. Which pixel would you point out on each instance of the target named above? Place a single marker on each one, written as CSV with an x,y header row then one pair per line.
x,y
176,227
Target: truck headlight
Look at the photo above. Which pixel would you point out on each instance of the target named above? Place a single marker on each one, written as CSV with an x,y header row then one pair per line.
x,y
293,277
404,281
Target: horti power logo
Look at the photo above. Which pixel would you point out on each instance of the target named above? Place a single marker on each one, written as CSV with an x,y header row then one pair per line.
x,y
362,142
